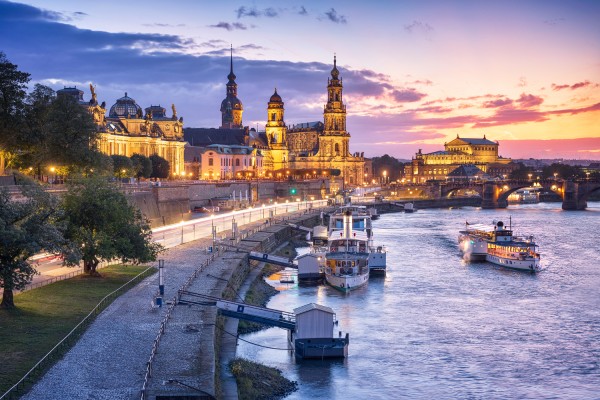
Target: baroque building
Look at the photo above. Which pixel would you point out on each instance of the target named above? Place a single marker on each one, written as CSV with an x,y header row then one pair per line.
x,y
439,165
128,130
314,148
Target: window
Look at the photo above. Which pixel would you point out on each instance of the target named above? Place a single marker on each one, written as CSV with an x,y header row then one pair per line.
x,y
237,162
273,116
210,162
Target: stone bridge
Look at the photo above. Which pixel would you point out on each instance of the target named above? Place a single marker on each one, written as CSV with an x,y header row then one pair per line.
x,y
494,194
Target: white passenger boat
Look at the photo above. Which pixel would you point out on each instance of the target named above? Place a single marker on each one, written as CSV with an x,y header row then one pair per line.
x,y
498,246
361,222
347,258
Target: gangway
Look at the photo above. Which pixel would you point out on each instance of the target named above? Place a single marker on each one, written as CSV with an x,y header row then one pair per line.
x,y
264,257
271,259
241,310
300,227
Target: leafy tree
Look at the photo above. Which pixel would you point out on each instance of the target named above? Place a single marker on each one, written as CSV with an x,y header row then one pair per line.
x,y
72,134
142,166
563,171
12,103
122,166
26,228
105,226
522,173
394,168
160,167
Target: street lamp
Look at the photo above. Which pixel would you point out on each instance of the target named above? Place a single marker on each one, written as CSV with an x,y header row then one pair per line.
x,y
384,177
529,175
555,175
587,176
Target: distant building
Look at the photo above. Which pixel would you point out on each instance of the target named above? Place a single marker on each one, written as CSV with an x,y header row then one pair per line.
x,y
128,130
481,153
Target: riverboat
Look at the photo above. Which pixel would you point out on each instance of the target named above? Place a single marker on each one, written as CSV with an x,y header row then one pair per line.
x,y
361,222
347,258
498,246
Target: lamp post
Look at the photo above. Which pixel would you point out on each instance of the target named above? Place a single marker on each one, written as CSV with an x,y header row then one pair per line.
x,y
384,177
52,169
555,175
529,175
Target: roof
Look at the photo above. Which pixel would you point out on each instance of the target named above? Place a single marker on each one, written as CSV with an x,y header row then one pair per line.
x,y
475,141
203,137
307,255
318,125
440,153
466,170
313,306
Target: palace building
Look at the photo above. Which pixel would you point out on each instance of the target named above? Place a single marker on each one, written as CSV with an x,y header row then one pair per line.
x,y
128,130
480,153
315,148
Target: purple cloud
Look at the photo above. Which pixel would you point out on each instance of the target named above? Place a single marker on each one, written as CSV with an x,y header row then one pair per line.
x,y
333,16
573,86
229,26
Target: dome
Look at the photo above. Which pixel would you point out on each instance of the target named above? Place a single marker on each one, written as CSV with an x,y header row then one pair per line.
x,y
275,98
125,107
157,111
232,102
334,72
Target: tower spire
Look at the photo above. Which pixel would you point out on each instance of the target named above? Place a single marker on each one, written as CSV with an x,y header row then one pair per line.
x,y
231,75
334,72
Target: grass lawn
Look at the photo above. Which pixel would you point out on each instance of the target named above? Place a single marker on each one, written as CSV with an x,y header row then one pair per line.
x,y
46,315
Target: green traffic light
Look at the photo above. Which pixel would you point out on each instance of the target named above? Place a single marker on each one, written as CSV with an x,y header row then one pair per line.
x,y
293,191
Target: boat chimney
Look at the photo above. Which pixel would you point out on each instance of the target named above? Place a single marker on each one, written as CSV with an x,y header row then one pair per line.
x,y
348,224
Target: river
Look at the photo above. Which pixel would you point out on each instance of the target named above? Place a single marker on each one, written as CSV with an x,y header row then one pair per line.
x,y
437,327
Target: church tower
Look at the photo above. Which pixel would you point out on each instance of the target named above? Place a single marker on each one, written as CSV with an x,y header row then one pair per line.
x,y
276,132
334,140
231,106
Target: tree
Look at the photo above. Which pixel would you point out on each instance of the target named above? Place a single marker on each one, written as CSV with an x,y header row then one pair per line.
x,y
142,166
105,226
160,167
12,102
72,134
26,228
122,166
522,172
563,171
392,166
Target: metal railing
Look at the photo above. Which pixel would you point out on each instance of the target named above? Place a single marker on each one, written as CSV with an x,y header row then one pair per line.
x,y
163,324
66,342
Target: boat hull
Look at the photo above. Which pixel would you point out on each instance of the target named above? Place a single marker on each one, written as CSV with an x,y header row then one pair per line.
x,y
319,348
473,248
346,283
532,264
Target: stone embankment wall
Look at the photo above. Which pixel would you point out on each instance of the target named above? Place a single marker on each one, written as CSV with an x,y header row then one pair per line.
x,y
388,206
191,349
164,205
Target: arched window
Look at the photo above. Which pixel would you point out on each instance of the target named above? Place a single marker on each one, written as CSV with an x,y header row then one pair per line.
x,y
273,116
337,148
237,162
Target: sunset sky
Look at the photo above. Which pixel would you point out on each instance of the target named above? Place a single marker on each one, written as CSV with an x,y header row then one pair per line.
x,y
415,73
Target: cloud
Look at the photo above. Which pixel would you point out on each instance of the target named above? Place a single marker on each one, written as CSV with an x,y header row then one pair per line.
x,y
229,26
255,13
407,95
303,11
529,100
333,16
522,82
498,103
421,28
554,21
214,43
574,86
162,25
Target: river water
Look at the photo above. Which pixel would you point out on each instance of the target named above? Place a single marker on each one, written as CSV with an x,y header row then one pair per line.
x,y
436,327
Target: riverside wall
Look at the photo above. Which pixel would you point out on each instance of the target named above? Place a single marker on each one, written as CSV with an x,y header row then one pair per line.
x,y
222,278
169,204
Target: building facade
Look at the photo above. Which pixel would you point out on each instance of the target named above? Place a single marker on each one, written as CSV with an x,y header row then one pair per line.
x,y
482,153
128,130
307,149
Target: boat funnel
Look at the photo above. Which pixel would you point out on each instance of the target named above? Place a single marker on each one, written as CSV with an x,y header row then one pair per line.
x,y
348,224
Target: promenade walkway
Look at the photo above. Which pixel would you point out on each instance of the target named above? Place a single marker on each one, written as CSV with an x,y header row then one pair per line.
x,y
109,361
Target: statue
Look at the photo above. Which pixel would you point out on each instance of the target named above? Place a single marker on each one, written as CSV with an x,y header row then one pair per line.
x,y
174,111
103,105
94,99
139,114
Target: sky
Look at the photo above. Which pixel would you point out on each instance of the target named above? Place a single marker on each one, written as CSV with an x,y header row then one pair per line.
x,y
416,73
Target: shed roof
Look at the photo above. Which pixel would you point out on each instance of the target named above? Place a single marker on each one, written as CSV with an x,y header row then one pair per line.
x,y
312,306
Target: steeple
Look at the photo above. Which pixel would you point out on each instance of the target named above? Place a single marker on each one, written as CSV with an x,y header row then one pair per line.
x,y
231,106
231,75
334,72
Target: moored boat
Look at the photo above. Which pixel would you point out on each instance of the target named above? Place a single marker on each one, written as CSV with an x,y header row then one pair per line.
x,y
500,247
361,222
347,258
